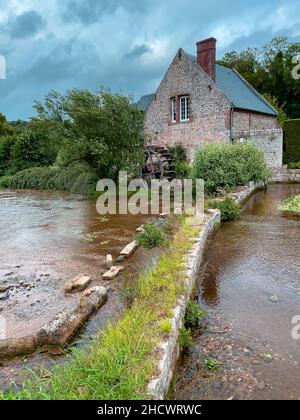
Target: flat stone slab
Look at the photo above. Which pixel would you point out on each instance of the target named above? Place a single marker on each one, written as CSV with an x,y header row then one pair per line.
x,y
58,332
113,272
109,260
77,284
129,249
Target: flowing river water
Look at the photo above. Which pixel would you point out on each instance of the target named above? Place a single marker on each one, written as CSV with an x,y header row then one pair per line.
x,y
47,238
250,286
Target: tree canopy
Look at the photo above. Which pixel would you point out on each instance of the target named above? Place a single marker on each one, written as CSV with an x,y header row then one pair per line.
x,y
269,70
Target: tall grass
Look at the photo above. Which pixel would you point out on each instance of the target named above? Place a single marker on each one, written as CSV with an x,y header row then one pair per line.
x,y
78,179
121,361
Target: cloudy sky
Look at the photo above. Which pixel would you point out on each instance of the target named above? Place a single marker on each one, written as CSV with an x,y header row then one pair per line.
x,y
122,44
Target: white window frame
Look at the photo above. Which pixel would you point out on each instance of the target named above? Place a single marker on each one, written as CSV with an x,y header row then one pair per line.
x,y
174,109
184,108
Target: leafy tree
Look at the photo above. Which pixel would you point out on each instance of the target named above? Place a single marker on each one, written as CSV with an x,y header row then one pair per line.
x,y
33,147
269,70
5,128
101,129
280,109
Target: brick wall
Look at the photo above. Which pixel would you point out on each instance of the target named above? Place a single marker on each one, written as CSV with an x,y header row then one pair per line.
x,y
209,108
245,120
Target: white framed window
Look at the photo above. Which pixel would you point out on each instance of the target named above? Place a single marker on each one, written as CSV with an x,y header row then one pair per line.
x,y
174,109
184,108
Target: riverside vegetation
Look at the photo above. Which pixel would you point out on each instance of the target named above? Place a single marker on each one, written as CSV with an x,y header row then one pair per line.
x,y
75,139
121,361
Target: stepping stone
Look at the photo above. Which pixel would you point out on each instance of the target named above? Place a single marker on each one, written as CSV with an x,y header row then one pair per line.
x,y
129,249
109,260
112,273
77,284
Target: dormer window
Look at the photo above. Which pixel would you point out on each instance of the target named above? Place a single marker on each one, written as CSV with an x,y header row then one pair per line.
x,y
184,102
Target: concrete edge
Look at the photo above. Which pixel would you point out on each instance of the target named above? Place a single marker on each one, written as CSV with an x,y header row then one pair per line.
x,y
169,349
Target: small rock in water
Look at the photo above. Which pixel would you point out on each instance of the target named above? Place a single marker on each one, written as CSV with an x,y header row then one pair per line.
x,y
113,272
261,385
274,299
78,283
4,288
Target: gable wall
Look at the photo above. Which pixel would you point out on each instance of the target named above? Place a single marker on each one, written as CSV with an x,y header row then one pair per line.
x,y
246,120
209,108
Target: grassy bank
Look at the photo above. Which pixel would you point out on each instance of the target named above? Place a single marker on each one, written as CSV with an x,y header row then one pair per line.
x,y
291,204
78,179
122,360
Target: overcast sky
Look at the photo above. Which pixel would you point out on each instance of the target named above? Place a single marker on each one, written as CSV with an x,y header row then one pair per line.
x,y
126,45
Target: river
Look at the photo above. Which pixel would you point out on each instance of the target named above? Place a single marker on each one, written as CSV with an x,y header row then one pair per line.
x,y
250,286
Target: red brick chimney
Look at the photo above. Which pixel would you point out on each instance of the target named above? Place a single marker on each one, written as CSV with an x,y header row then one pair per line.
x,y
206,56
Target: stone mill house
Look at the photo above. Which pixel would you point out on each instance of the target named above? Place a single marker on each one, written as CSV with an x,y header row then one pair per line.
x,y
199,102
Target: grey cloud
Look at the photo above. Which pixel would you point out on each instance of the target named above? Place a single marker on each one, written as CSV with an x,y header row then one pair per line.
x,y
26,24
136,52
89,11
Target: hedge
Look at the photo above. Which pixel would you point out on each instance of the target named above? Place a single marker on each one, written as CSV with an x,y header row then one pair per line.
x,y
225,166
291,140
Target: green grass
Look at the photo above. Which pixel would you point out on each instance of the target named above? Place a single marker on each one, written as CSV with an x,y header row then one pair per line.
x,y
121,361
292,204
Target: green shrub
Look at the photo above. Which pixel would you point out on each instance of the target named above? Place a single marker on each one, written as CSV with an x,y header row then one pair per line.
x,y
292,204
5,181
32,148
177,152
6,144
294,165
185,337
74,179
183,170
193,314
228,207
166,326
151,236
225,166
291,130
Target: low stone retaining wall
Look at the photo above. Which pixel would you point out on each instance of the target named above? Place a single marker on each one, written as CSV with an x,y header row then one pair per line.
x,y
159,386
284,174
58,332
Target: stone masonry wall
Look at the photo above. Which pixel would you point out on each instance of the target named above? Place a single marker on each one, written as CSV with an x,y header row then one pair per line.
x,y
245,120
209,108
270,141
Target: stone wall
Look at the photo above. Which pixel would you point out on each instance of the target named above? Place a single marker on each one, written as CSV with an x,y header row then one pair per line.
x,y
269,141
209,108
285,174
245,120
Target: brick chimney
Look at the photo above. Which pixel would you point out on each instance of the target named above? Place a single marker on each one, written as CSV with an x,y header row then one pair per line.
x,y
206,56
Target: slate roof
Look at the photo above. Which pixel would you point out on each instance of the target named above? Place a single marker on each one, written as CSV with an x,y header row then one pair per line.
x,y
234,87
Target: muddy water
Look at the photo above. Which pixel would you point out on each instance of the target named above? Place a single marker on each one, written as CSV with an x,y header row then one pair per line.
x,y
250,286
47,238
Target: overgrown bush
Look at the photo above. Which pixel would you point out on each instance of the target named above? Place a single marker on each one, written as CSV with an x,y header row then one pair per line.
x,y
193,315
6,144
151,236
185,337
291,130
225,166
32,148
294,165
183,170
228,207
76,179
177,152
